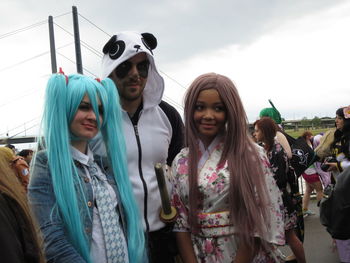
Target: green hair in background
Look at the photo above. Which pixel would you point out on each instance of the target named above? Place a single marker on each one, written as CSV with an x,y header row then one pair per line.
x,y
273,113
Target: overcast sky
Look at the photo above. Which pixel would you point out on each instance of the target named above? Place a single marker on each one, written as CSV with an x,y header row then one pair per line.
x,y
294,52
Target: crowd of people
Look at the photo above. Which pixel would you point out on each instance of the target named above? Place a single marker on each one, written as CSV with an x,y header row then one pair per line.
x,y
91,193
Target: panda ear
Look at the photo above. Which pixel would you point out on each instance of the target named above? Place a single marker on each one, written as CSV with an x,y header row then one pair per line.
x,y
150,40
109,44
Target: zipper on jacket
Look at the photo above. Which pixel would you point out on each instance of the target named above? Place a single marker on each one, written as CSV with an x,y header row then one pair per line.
x,y
141,175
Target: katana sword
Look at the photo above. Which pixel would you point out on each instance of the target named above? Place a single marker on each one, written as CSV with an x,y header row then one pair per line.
x,y
167,213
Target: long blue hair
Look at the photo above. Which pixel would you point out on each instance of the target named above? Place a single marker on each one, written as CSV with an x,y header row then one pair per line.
x,y
113,135
63,96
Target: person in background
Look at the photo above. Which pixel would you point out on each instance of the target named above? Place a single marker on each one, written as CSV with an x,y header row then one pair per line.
x,y
341,144
27,154
12,147
281,138
275,115
265,132
84,202
18,164
324,176
340,148
226,197
153,130
19,237
312,179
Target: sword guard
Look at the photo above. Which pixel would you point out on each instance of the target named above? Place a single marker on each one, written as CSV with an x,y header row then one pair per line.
x,y
170,218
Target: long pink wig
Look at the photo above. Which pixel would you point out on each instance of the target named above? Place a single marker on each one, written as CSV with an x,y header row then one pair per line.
x,y
248,198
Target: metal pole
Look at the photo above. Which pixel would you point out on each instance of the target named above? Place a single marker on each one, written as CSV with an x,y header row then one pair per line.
x,y
77,40
52,46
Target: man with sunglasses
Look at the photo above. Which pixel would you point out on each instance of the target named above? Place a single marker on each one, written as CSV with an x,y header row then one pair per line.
x,y
153,130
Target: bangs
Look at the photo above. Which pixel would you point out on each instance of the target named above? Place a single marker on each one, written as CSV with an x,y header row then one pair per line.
x,y
78,87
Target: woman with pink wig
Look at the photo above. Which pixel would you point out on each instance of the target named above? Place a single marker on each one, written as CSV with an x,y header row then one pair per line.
x,y
227,200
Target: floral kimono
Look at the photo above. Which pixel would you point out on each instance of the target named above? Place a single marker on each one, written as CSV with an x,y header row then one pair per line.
x,y
216,241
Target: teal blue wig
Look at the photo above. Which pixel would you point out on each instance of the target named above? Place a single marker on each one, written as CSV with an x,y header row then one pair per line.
x,y
63,97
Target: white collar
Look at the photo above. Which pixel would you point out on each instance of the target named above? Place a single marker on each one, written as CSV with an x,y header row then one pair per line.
x,y
81,157
206,152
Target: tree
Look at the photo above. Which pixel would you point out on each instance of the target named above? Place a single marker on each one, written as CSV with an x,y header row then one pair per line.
x,y
316,121
304,122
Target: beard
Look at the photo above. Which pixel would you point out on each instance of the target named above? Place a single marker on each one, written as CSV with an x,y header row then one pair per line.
x,y
131,94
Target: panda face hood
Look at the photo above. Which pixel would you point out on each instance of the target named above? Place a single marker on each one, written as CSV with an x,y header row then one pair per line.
x,y
125,45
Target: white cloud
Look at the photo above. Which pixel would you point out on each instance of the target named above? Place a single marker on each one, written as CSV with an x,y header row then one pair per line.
x,y
301,66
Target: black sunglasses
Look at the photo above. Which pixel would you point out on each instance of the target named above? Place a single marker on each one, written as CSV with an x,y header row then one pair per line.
x,y
123,69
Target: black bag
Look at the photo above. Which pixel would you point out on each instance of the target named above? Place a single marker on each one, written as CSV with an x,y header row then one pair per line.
x,y
335,207
302,154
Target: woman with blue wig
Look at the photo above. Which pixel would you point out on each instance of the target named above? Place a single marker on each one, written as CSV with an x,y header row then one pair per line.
x,y
84,203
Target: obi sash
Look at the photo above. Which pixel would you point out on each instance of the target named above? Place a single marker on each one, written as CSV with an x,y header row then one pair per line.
x,y
215,224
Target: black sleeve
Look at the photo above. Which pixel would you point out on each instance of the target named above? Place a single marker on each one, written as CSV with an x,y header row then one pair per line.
x,y
279,167
177,140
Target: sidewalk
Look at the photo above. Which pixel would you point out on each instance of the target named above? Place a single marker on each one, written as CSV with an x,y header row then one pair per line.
x,y
318,243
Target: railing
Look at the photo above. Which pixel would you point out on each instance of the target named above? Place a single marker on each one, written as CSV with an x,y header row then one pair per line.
x,y
16,140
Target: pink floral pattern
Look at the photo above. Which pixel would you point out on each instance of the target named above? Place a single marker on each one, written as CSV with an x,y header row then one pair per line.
x,y
216,241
